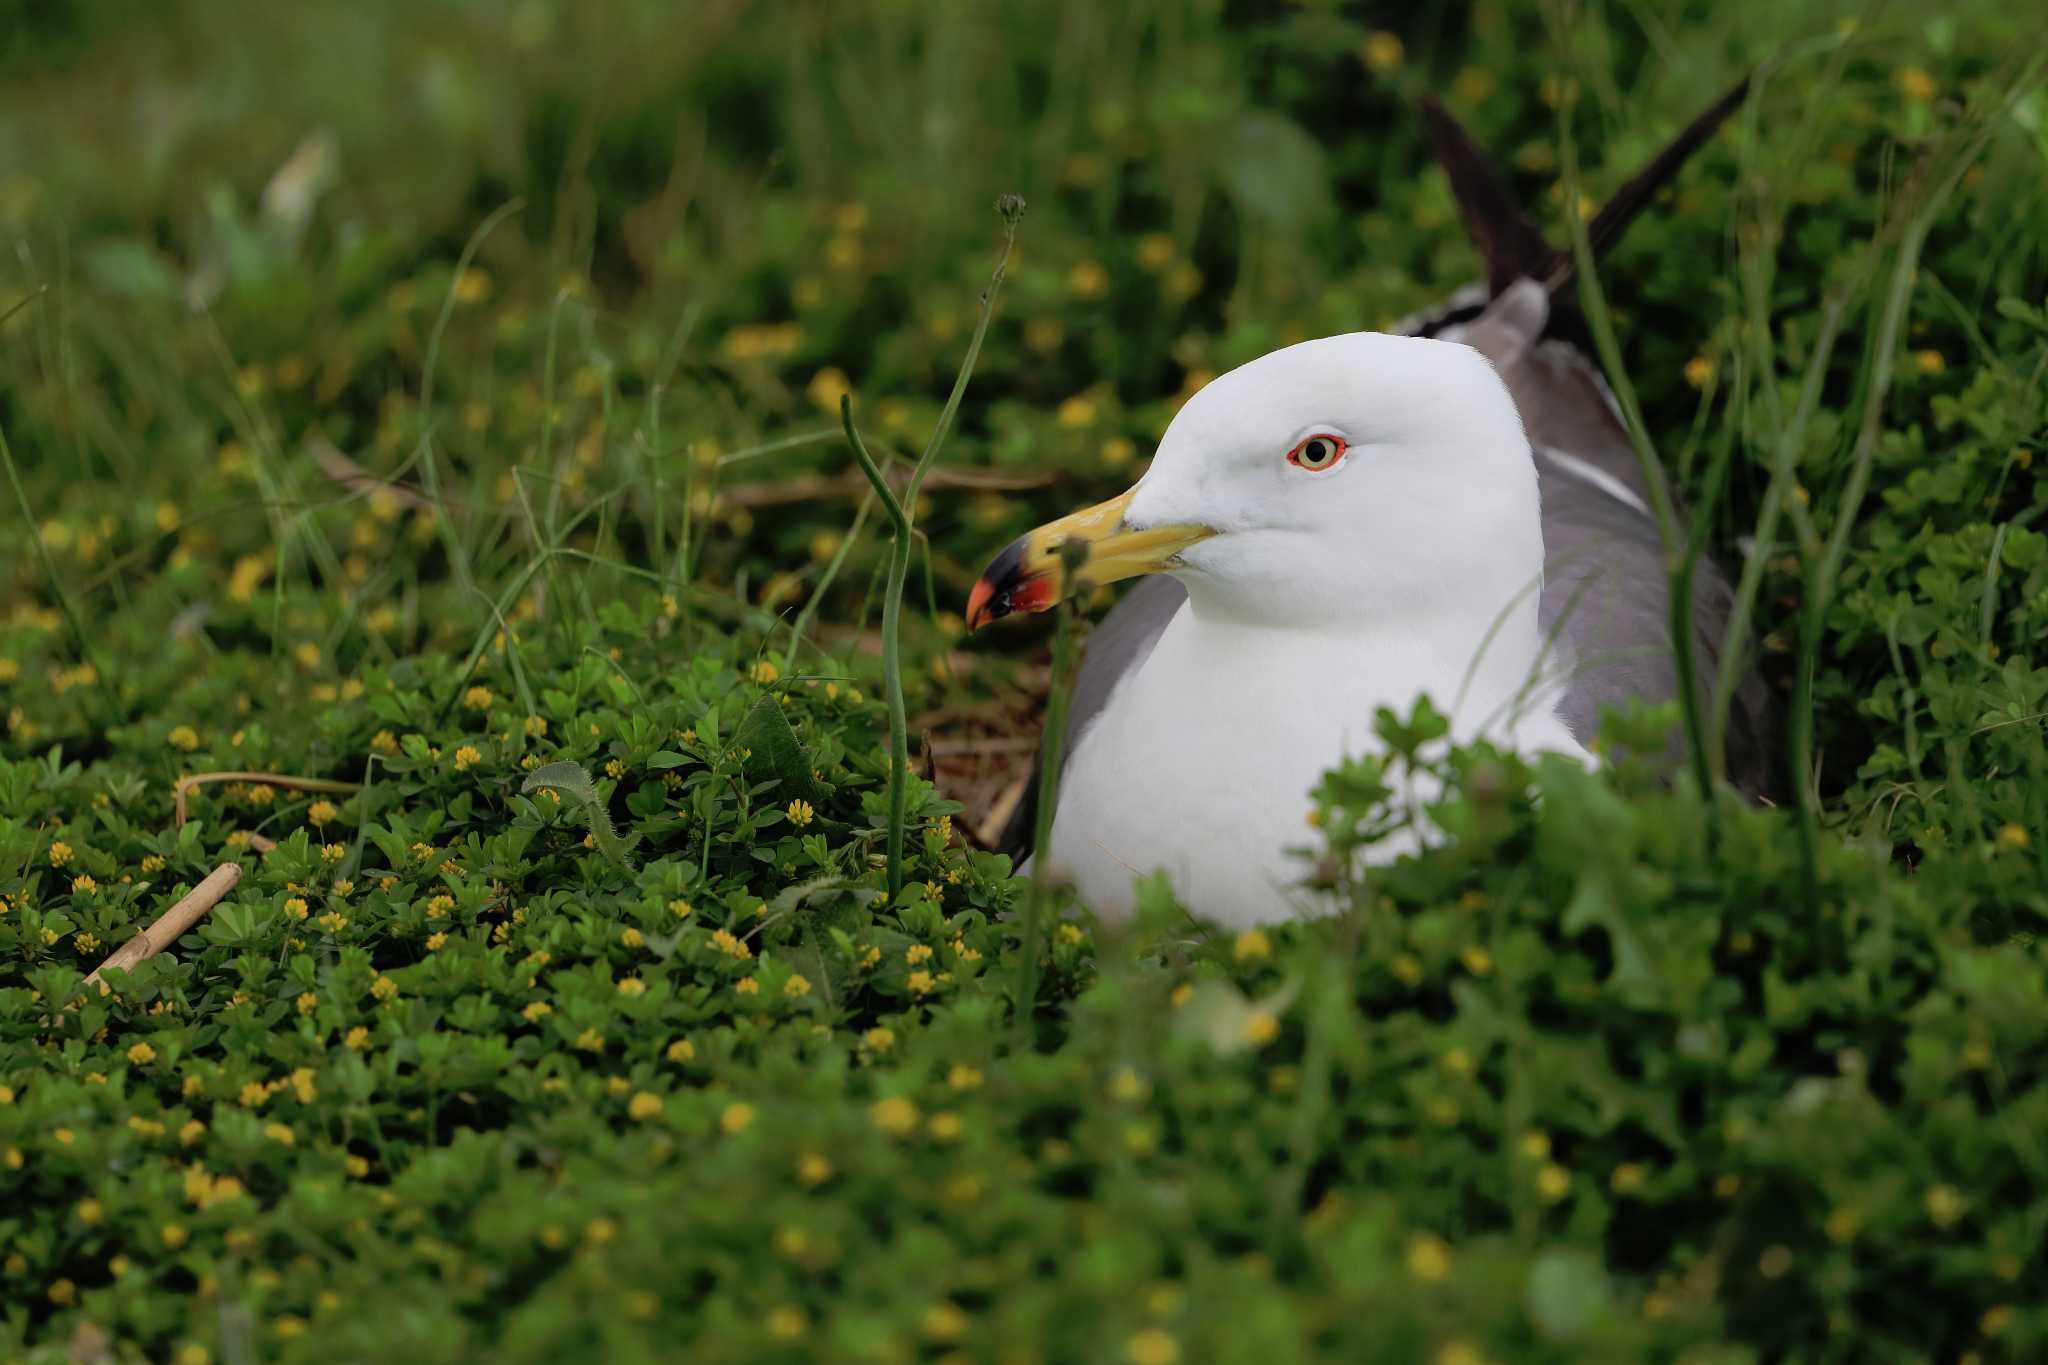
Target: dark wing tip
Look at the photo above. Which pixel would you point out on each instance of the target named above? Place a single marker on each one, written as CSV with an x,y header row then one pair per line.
x,y
1509,242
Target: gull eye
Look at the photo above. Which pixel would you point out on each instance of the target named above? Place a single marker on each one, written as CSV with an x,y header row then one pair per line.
x,y
1317,453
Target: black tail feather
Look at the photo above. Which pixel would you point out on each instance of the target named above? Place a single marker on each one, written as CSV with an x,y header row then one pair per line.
x,y
1508,240
1511,244
1635,195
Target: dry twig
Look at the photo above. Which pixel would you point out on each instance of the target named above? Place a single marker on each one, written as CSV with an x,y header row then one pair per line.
x,y
781,492
168,927
297,784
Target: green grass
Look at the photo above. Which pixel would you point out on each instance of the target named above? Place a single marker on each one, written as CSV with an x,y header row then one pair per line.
x,y
638,1057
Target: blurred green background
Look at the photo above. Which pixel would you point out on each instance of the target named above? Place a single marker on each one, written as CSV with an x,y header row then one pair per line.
x,y
585,282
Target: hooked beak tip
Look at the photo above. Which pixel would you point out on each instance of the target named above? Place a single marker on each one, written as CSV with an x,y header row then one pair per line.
x,y
982,605
1008,585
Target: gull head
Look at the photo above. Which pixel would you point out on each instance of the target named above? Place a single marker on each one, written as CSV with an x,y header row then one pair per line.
x,y
1342,481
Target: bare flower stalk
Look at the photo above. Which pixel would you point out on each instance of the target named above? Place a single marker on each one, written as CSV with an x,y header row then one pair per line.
x,y
901,513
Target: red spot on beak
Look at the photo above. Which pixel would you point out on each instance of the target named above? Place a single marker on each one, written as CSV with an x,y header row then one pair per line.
x,y
1007,586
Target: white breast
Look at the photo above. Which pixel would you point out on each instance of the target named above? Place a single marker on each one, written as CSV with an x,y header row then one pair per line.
x,y
1202,762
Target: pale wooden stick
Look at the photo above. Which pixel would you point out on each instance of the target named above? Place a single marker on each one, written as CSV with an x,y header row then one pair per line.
x,y
172,923
991,830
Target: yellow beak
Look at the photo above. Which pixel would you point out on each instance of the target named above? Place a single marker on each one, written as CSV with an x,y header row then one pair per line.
x,y
1030,574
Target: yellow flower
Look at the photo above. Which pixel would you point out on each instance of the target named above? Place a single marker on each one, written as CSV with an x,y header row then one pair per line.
x,y
813,1169
632,937
1429,1259
964,1078
765,672
280,1133
183,737
590,1040
1251,945
83,885
1915,83
435,941
632,986
537,1010
1929,361
1155,251
723,940
297,908
472,285
827,387
2013,836
945,1322
1077,412
142,1054
920,983
878,1039
478,699
796,987
1477,960
1088,280
89,1211
1152,1347
736,1116
385,743
358,1039
466,757
1553,1182
645,1105
320,813
1382,52
1944,1205
946,1127
60,853
1699,371
682,1050
1260,1028
800,813
895,1116
253,1095
785,1322
384,988
191,1132
747,985
172,1235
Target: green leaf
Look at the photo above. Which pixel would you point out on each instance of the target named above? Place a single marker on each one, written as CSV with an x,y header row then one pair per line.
x,y
774,754
573,782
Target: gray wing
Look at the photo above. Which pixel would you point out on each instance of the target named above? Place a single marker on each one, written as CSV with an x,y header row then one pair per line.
x,y
1606,594
1116,647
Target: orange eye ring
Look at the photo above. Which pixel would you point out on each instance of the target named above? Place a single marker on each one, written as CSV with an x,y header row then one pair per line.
x,y
1319,452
